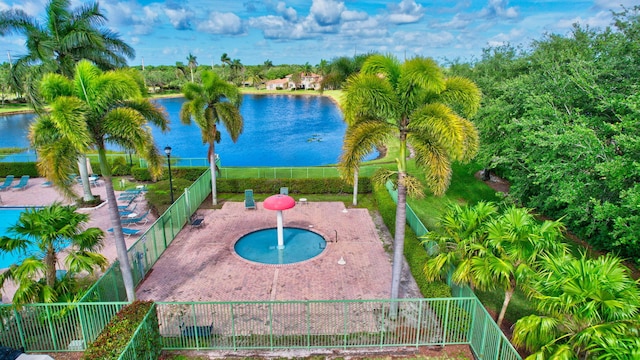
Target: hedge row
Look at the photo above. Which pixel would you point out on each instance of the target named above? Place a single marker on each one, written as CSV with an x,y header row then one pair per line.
x,y
192,173
119,332
296,186
18,169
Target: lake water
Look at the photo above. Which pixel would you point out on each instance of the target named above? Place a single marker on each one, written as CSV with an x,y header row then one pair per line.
x,y
279,130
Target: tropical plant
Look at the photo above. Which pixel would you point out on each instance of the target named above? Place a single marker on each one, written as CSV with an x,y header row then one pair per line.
x,y
225,60
92,110
192,64
491,250
416,104
52,230
205,104
589,309
65,37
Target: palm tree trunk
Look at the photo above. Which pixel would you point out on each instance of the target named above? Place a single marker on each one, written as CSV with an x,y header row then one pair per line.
x,y
114,216
398,241
84,176
50,264
507,298
212,165
355,188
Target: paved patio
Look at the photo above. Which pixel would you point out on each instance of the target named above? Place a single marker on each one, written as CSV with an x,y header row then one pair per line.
x,y
201,264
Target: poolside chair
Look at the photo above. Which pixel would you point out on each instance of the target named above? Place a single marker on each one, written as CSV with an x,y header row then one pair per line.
x,y
196,221
7,183
24,182
138,220
128,213
47,184
125,207
249,202
127,231
284,191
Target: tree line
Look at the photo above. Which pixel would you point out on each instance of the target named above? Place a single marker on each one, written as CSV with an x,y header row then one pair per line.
x,y
560,120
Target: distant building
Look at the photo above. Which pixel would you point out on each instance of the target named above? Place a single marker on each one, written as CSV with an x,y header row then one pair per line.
x,y
308,81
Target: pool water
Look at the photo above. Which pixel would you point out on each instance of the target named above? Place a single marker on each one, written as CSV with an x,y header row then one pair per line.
x,y
261,246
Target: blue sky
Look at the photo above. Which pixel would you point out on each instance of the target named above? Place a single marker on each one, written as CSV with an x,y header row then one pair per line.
x,y
301,31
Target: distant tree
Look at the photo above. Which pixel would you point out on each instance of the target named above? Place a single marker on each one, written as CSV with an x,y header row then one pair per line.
x,y
225,60
55,230
192,63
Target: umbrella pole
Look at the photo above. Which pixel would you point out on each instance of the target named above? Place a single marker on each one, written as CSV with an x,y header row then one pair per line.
x,y
280,231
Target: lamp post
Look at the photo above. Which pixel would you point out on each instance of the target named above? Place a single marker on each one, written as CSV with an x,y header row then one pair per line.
x,y
167,150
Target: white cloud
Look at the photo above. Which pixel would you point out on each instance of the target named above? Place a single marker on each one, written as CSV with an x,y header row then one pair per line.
x,y
222,23
600,20
349,15
458,22
513,36
498,9
288,13
326,12
615,4
369,28
179,17
406,12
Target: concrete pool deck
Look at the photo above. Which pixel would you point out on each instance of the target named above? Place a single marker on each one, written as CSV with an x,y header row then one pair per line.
x,y
201,265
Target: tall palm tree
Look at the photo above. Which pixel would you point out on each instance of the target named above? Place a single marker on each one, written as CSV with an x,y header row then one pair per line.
x,y
65,37
414,103
92,110
53,230
206,106
192,63
589,309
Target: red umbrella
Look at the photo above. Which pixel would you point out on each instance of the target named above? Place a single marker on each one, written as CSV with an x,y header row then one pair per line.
x,y
279,202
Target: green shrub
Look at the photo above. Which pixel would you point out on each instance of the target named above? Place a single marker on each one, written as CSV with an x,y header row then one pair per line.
x,y
119,166
19,169
159,196
189,173
119,331
413,250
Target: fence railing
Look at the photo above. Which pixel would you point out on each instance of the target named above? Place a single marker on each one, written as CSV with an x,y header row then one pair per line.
x,y
54,327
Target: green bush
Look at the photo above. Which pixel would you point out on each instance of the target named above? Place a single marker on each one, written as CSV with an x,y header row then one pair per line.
x,y
19,169
119,331
159,196
189,173
414,252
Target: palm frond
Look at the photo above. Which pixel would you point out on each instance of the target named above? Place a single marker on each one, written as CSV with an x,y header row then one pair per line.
x,y
382,175
436,164
420,75
414,186
231,119
360,140
533,332
462,93
385,66
369,96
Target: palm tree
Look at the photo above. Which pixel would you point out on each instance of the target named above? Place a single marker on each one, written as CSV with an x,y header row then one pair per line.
x,y
414,103
66,36
460,230
50,229
589,309
491,251
192,64
206,106
92,110
238,71
225,60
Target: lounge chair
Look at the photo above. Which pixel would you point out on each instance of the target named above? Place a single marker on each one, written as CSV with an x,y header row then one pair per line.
x,y
24,182
138,220
125,207
124,213
47,184
284,191
7,183
249,202
127,231
196,221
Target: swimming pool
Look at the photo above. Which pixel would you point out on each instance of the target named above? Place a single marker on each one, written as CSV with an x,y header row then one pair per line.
x,y
261,246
